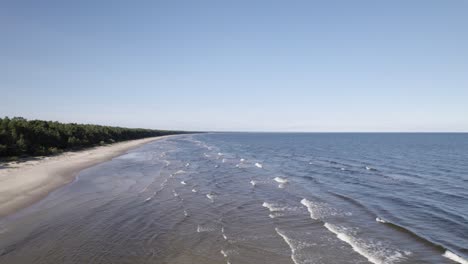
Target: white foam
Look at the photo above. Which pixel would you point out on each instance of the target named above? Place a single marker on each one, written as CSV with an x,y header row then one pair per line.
x,y
188,164
343,169
220,154
258,165
151,197
179,172
320,210
311,208
183,183
274,207
253,182
216,166
380,220
201,228
291,245
376,253
223,161
193,190
211,197
224,253
452,256
280,180
186,213
222,232
242,160
175,194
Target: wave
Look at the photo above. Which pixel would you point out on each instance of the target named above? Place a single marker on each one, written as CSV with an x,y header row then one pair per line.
x,y
258,165
295,246
290,244
376,253
253,183
311,208
242,160
319,210
186,214
183,183
223,160
411,233
194,190
447,253
355,202
452,256
188,164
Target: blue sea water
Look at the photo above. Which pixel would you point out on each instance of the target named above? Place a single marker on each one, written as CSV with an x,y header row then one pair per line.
x,y
258,198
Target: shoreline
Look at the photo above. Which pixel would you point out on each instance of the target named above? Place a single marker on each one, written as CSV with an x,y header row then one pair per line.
x,y
24,183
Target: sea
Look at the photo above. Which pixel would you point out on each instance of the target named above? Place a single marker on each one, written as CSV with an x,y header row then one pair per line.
x,y
258,198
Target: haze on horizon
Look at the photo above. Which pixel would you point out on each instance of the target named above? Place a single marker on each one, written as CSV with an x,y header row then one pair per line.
x,y
238,65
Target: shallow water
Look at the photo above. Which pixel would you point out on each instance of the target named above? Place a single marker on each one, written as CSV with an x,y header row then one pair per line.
x,y
257,198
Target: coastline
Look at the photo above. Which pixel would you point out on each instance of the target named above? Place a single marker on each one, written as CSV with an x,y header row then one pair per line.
x,y
24,183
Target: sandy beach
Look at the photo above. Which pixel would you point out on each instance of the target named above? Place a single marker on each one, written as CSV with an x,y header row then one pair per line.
x,y
23,183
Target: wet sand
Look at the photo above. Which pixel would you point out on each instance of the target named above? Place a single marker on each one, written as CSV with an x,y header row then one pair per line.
x,y
24,183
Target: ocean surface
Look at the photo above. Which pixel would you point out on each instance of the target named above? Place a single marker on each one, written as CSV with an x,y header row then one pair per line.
x,y
257,198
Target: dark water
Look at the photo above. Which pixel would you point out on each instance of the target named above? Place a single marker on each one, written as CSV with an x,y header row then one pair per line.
x,y
258,198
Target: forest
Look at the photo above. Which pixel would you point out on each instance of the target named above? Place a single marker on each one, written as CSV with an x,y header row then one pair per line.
x,y
21,137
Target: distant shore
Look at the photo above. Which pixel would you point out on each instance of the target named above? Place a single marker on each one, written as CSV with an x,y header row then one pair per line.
x,y
24,183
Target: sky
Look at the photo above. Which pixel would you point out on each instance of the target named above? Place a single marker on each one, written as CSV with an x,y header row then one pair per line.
x,y
306,66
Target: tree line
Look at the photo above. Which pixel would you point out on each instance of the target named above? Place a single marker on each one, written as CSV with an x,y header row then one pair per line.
x,y
22,137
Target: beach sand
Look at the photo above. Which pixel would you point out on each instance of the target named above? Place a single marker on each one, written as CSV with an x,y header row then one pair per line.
x,y
23,183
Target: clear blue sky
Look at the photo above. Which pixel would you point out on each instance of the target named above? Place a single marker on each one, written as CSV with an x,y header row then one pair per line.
x,y
238,65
